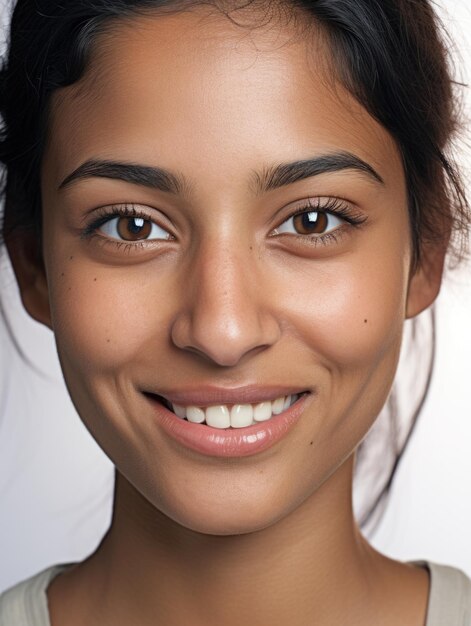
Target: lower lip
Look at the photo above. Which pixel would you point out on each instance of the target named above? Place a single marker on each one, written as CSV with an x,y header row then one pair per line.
x,y
229,442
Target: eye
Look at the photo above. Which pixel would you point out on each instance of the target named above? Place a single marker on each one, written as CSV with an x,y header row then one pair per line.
x,y
310,223
132,228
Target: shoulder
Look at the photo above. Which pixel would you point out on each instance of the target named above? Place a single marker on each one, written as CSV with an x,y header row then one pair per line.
x,y
449,597
25,604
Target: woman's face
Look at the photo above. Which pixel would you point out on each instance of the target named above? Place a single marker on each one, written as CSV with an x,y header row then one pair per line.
x,y
222,287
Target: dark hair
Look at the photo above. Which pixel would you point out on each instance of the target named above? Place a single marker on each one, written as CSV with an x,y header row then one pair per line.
x,y
390,54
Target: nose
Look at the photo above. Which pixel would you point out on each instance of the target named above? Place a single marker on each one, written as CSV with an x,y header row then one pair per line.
x,y
224,312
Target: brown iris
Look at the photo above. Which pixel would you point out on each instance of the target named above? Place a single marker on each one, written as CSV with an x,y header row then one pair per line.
x,y
134,228
312,222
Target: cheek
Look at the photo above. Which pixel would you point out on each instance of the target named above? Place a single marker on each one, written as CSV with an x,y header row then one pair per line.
x,y
110,324
349,311
106,317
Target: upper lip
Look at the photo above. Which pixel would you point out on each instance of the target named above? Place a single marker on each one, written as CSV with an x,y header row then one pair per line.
x,y
206,395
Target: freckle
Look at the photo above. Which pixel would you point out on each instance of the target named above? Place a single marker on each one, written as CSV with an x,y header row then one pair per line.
x,y
69,289
94,280
311,443
251,247
108,340
70,258
62,274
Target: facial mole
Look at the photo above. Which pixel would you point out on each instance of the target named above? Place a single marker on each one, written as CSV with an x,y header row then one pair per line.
x,y
70,258
311,443
62,274
94,280
366,321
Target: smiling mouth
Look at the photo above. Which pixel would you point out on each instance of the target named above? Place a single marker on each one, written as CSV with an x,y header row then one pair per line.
x,y
231,415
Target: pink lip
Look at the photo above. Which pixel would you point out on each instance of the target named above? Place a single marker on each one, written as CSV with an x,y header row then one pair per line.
x,y
228,442
206,395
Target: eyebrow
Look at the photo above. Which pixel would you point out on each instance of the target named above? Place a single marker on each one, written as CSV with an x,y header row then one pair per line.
x,y
288,173
146,175
268,179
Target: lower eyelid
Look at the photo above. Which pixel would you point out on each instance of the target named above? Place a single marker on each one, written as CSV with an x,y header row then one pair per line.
x,y
118,244
328,240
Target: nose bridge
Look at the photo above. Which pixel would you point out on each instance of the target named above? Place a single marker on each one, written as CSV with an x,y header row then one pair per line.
x,y
222,276
222,315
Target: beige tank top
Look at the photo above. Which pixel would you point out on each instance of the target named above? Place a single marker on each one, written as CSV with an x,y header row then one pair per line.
x,y
449,603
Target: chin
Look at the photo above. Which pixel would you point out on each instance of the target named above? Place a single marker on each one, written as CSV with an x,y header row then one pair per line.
x,y
221,518
224,525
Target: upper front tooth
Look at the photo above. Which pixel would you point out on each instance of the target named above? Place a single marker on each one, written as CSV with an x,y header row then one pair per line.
x,y
241,415
218,416
262,411
238,416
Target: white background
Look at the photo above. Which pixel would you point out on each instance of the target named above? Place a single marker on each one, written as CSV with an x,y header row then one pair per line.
x,y
55,483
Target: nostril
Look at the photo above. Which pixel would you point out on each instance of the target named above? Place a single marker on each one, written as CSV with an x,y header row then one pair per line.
x,y
221,334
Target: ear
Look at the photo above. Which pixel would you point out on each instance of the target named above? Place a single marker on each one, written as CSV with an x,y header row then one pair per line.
x,y
425,282
28,265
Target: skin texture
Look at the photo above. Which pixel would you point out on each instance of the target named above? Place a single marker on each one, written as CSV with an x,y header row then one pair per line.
x,y
269,538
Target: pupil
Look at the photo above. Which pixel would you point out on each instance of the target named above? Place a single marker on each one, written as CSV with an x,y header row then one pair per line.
x,y
135,224
311,222
133,228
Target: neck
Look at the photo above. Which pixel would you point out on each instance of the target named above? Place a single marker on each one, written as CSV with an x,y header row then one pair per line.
x,y
149,569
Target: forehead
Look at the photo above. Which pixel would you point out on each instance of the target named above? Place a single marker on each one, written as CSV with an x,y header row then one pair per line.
x,y
192,89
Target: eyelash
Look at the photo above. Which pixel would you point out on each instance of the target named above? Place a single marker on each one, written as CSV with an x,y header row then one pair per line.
x,y
108,213
333,206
